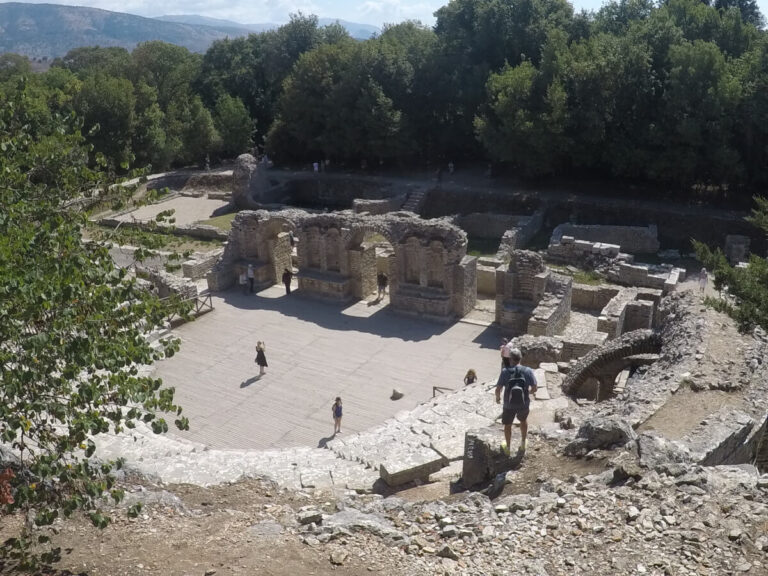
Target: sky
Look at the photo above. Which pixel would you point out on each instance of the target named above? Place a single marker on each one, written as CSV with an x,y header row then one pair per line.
x,y
376,12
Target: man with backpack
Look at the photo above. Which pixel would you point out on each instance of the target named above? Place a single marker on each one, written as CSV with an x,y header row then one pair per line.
x,y
516,381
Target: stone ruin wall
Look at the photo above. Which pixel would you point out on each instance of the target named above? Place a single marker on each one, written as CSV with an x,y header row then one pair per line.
x,y
553,312
383,206
429,271
632,239
168,284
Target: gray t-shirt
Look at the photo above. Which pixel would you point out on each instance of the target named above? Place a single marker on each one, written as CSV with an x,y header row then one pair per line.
x,y
507,373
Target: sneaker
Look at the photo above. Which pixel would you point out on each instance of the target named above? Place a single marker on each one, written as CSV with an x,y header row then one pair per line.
x,y
523,446
505,448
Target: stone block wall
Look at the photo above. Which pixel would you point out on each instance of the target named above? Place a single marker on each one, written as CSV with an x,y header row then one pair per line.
x,y
721,438
168,284
573,350
638,315
515,231
632,239
554,310
486,279
465,286
586,297
198,268
382,206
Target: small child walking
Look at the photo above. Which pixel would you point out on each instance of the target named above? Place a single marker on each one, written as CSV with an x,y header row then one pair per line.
x,y
336,411
471,377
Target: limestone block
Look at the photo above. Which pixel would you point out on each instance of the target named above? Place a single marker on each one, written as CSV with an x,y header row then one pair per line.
x,y
720,437
549,367
404,466
567,240
483,457
582,245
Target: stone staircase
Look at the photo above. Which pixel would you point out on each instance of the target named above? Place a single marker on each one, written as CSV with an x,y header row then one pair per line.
x,y
411,445
415,201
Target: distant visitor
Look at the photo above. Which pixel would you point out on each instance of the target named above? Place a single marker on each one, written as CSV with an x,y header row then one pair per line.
x,y
703,280
336,410
470,378
381,282
287,277
261,357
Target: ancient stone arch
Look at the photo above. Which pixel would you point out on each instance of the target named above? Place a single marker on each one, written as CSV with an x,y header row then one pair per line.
x,y
430,272
605,362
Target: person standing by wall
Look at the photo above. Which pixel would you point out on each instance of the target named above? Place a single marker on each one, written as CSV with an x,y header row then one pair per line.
x,y
261,357
251,277
287,277
243,282
336,410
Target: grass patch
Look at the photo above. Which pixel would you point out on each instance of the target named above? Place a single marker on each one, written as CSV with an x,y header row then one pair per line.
x,y
589,277
223,222
482,246
153,240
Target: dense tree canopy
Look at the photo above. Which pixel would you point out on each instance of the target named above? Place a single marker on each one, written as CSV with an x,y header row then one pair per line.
x,y
669,92
72,331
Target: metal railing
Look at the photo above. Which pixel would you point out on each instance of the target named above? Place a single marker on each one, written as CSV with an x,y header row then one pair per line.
x,y
441,389
201,304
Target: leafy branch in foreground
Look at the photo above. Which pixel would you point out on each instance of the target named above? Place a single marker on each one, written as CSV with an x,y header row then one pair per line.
x,y
745,287
72,339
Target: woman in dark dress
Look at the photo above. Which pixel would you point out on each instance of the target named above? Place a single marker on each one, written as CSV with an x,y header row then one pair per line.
x,y
261,357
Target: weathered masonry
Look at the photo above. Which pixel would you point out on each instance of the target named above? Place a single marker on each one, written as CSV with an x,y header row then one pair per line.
x,y
428,269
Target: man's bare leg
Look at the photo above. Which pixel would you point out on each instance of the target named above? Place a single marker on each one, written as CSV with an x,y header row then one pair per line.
x,y
508,433
523,434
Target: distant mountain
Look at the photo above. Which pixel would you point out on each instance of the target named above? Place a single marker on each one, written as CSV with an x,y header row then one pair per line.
x,y
197,20
355,29
51,30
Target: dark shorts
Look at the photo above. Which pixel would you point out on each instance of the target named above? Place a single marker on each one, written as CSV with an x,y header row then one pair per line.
x,y
509,414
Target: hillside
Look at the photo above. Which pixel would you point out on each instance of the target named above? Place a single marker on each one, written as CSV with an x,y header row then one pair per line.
x,y
355,29
48,30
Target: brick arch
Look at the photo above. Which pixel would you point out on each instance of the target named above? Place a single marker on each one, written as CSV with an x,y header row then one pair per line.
x,y
356,234
273,225
605,362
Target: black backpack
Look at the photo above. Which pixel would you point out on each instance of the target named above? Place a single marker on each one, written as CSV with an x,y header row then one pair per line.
x,y
516,386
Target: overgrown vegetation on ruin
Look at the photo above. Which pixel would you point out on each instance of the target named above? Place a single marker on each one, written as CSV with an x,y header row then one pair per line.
x,y
743,289
72,331
670,92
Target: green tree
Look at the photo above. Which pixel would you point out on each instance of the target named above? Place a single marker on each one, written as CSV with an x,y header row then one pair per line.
x,y
746,297
525,119
199,136
106,105
12,65
71,338
234,126
88,60
149,140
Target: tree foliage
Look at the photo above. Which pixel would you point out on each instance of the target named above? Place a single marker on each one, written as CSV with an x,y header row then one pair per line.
x,y
71,334
671,93
744,289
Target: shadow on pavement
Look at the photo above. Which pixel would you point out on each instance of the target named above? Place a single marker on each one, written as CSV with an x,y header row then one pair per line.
x,y
330,315
251,380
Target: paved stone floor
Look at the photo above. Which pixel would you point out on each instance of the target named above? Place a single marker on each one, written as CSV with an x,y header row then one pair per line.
x,y
187,210
316,351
